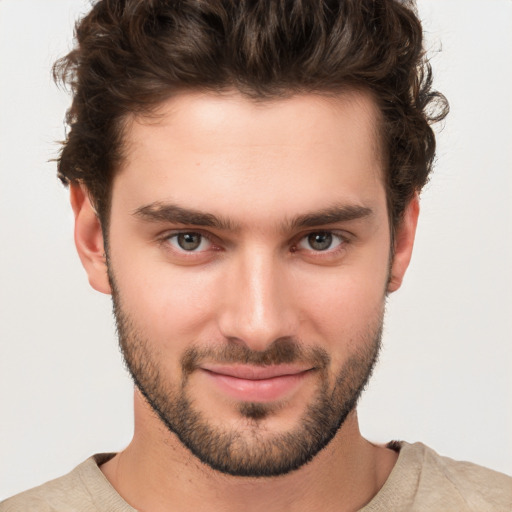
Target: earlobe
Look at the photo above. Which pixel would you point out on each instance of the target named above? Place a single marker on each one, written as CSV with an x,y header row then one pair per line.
x,y
404,242
89,239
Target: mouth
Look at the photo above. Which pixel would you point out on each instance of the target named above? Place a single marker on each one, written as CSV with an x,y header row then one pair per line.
x,y
256,383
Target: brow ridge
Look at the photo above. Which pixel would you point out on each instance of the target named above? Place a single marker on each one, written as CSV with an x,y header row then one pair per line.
x,y
172,213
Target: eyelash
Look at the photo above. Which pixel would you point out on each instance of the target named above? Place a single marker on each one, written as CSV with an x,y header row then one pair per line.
x,y
328,251
343,241
165,240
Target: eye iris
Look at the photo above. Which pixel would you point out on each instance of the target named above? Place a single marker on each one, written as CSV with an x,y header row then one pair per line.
x,y
320,241
189,241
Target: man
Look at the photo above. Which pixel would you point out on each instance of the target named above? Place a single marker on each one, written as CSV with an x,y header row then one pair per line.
x,y
245,180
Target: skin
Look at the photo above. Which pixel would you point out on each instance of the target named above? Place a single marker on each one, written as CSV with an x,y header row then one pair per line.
x,y
257,166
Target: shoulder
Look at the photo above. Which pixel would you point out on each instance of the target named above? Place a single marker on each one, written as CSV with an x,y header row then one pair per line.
x,y
81,490
467,486
422,481
55,495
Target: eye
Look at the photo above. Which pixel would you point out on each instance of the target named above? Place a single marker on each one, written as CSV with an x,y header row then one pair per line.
x,y
321,241
189,242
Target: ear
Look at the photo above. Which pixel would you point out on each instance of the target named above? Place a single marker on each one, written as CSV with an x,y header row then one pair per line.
x,y
404,242
89,239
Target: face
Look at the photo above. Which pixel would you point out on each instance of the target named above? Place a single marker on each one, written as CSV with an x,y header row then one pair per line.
x,y
249,261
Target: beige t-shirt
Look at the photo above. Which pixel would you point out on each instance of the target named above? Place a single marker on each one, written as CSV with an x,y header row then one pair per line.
x,y
420,481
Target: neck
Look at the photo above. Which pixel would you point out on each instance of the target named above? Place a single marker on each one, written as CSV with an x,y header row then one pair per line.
x,y
156,470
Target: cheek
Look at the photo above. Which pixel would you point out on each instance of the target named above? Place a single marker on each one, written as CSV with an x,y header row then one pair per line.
x,y
169,306
344,310
347,305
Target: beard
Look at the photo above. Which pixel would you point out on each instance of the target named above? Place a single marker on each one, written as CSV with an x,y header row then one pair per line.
x,y
251,451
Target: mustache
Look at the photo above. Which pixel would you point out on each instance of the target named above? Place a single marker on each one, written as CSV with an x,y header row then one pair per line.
x,y
280,351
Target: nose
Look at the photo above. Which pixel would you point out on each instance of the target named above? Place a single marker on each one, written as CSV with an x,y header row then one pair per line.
x,y
258,301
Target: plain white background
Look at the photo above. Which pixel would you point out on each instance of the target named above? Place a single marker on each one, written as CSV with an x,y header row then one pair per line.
x,y
445,375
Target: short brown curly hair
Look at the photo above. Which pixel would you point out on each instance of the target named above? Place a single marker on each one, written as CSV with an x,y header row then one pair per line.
x,y
131,55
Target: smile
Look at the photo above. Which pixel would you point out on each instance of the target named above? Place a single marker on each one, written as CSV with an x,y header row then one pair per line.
x,y
256,384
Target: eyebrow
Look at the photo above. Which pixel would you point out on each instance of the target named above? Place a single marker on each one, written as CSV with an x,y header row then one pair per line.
x,y
168,212
330,215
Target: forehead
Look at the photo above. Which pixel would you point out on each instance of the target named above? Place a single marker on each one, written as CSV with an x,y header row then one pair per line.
x,y
199,148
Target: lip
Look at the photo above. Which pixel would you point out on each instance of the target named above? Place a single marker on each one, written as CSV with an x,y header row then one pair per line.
x,y
256,383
